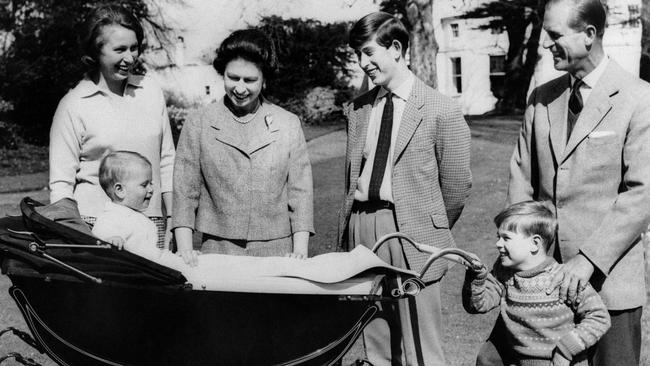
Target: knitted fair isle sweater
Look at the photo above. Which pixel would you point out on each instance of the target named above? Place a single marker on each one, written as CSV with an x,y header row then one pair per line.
x,y
537,323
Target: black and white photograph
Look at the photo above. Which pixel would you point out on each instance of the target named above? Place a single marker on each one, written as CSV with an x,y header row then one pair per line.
x,y
325,182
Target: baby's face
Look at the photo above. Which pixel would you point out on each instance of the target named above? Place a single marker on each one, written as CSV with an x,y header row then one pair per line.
x,y
138,189
515,249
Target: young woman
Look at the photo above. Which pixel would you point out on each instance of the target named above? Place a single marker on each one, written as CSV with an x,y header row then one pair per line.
x,y
111,109
242,175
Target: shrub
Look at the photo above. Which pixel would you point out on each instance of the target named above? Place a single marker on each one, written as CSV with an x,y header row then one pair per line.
x,y
313,71
42,62
178,106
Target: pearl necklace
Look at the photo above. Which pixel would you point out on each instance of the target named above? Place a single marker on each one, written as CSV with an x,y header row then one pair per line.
x,y
244,121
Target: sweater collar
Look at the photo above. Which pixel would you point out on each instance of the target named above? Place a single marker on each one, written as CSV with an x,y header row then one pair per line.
x,y
537,269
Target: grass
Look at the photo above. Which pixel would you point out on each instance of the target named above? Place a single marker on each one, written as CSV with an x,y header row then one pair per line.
x,y
492,144
25,159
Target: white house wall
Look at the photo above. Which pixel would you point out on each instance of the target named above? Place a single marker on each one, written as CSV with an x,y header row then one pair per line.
x,y
474,47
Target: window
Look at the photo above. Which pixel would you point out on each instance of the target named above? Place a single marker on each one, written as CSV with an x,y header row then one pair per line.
x,y
207,90
634,12
454,30
456,74
497,75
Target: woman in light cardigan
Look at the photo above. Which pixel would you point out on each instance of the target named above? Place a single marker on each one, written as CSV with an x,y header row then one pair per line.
x,y
111,109
242,174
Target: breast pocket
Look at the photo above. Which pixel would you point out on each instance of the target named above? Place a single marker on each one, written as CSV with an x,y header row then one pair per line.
x,y
440,221
604,152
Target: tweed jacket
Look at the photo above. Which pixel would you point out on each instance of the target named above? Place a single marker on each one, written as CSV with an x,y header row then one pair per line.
x,y
431,174
598,181
259,189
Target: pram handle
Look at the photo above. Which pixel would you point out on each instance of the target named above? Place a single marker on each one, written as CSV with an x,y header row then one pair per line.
x,y
451,254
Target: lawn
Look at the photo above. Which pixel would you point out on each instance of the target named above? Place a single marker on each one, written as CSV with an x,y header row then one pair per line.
x,y
492,144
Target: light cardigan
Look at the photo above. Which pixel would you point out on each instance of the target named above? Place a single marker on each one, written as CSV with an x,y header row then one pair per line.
x,y
90,122
257,188
536,322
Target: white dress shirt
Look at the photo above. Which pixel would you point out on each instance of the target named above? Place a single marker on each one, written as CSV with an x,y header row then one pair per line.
x,y
400,96
590,80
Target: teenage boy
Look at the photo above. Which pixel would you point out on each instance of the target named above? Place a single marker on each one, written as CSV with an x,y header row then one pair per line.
x,y
407,170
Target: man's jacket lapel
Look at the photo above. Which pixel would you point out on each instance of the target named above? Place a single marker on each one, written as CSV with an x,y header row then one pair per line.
x,y
411,118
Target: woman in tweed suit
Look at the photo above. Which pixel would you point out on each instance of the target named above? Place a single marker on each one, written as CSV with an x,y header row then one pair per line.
x,y
242,174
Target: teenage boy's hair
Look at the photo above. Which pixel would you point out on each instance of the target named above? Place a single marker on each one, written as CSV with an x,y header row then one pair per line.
x,y
385,27
529,218
116,166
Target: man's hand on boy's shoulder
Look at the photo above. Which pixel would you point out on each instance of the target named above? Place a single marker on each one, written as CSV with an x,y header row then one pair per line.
x,y
116,241
571,278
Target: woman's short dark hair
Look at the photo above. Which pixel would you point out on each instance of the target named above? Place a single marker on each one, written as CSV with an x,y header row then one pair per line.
x,y
91,30
385,27
252,45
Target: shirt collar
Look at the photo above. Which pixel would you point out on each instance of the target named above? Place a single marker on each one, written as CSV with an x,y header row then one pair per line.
x,y
403,91
88,88
123,210
592,78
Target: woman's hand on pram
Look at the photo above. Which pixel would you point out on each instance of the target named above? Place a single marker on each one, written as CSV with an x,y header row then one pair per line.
x,y
190,257
295,255
116,241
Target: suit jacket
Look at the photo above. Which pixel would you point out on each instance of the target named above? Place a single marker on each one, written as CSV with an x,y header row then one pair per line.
x,y
254,189
431,175
599,181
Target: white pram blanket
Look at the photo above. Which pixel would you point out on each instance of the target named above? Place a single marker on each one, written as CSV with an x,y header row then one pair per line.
x,y
331,273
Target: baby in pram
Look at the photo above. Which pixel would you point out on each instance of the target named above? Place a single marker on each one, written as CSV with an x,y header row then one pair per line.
x,y
126,178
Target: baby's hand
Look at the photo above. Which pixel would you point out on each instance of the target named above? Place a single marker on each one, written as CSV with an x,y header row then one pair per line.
x,y
116,241
559,359
296,255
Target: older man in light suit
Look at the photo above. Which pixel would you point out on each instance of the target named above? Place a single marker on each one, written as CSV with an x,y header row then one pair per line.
x,y
407,170
585,147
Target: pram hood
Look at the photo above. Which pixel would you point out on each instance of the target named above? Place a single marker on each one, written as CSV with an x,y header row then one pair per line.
x,y
19,241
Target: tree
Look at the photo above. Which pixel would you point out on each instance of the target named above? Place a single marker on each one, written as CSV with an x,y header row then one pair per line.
x,y
417,15
41,62
644,72
313,73
522,20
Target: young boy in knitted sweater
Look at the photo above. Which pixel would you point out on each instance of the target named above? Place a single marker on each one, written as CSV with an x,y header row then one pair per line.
x,y
541,329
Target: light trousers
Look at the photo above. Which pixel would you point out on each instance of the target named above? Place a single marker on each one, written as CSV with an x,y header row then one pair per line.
x,y
407,331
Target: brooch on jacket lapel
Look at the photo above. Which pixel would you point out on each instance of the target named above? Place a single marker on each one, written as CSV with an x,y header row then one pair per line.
x,y
268,119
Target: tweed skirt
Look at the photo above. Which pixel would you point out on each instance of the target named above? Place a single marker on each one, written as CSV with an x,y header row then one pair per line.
x,y
267,248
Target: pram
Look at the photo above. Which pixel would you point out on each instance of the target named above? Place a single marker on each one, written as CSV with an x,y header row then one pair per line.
x,y
87,303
